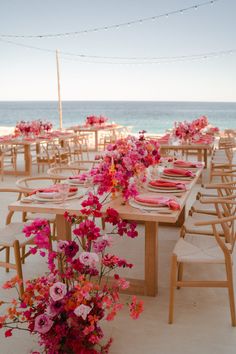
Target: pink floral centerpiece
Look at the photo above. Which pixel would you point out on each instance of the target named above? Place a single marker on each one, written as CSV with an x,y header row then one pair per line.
x,y
67,306
189,130
95,120
35,127
124,165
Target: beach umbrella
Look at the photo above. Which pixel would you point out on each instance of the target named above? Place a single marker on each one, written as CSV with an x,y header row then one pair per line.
x,y
59,90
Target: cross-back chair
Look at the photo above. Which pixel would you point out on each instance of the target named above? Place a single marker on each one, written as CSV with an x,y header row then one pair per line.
x,y
201,249
12,237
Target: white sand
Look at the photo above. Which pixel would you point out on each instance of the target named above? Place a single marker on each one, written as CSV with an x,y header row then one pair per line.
x,y
202,317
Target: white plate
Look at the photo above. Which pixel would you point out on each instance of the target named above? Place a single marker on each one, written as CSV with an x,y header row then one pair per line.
x,y
79,194
166,190
178,178
160,210
75,182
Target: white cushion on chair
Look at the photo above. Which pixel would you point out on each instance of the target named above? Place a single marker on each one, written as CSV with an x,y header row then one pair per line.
x,y
205,230
12,232
199,249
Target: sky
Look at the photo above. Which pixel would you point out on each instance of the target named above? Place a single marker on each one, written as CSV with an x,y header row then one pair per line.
x,y
27,74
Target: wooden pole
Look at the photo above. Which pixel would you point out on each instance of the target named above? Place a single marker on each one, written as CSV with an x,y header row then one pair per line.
x,y
59,90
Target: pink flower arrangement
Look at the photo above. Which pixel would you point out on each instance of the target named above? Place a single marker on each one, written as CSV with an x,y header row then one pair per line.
x,y
35,127
124,165
65,308
187,130
95,120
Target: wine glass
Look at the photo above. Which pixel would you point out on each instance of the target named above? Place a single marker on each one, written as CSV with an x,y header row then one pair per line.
x,y
63,190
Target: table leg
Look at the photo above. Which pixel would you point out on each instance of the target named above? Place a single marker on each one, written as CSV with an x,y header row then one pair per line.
x,y
151,230
205,157
96,140
28,160
63,228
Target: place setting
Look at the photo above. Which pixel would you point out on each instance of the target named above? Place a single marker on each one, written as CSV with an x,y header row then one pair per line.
x,y
148,202
56,194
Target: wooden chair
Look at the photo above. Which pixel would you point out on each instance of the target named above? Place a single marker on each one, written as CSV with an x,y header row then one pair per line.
x,y
7,158
201,249
29,184
12,237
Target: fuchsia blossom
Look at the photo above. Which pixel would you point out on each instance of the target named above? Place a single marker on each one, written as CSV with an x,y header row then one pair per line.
x,y
57,291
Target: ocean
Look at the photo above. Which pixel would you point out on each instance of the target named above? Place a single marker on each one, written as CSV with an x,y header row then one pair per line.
x,y
154,117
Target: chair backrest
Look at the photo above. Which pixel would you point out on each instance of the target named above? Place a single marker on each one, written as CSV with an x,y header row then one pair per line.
x,y
29,184
227,243
18,194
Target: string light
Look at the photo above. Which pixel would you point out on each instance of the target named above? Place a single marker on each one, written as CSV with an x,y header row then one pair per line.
x,y
96,59
102,28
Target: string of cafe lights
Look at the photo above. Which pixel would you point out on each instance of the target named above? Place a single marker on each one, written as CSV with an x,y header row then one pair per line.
x,y
114,26
118,60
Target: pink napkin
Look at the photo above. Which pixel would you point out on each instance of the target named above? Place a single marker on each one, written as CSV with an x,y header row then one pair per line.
x,y
52,189
187,164
158,201
82,177
179,172
167,184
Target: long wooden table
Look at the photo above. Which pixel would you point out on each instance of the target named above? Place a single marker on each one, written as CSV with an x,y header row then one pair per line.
x,y
147,286
202,149
96,130
27,145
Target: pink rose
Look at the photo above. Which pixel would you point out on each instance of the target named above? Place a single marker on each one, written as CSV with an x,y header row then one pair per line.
x,y
83,311
57,291
42,324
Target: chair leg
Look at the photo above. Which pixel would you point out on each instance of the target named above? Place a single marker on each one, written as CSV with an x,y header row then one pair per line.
x,y
18,265
180,273
172,287
231,291
7,257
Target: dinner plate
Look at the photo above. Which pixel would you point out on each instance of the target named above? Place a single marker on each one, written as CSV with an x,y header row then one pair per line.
x,y
79,194
75,182
162,188
184,178
180,191
53,195
160,210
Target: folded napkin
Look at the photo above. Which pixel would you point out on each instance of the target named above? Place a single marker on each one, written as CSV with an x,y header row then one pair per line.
x,y
53,189
81,177
187,164
167,184
178,172
157,201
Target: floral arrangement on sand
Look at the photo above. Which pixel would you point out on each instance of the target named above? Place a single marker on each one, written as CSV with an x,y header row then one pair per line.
x,y
67,306
95,120
35,127
124,165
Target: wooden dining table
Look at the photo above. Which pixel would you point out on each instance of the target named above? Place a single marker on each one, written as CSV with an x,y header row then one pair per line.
x,y
96,130
151,220
203,149
27,145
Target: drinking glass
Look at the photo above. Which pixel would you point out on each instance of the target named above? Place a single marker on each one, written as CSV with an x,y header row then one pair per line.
x,y
63,189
